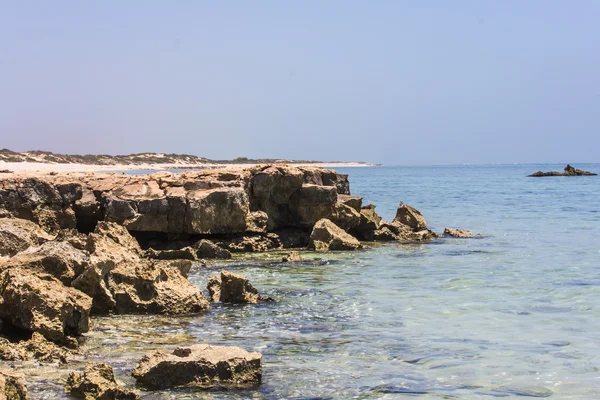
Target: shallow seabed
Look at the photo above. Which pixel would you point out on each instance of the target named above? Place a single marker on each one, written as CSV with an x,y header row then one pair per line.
x,y
515,313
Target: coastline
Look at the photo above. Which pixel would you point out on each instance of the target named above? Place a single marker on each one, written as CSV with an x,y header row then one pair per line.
x,y
50,167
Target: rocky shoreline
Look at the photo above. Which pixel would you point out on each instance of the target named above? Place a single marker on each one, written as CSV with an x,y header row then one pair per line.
x,y
78,245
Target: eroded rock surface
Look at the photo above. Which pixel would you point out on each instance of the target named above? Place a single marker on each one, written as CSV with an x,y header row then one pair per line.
x,y
201,366
18,234
97,381
458,233
328,236
12,385
228,287
37,348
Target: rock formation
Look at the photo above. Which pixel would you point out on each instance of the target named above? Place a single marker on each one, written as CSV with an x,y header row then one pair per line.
x,y
97,381
458,233
12,386
328,236
568,171
202,366
227,287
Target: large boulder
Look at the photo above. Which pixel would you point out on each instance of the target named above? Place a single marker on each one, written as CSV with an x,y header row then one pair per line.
x,y
232,288
185,253
411,217
202,366
312,203
97,381
154,288
328,236
59,259
12,386
40,303
18,234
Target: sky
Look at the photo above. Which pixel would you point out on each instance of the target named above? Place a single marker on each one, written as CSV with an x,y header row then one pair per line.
x,y
393,82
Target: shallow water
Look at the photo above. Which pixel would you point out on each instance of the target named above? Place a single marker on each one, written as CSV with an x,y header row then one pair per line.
x,y
513,314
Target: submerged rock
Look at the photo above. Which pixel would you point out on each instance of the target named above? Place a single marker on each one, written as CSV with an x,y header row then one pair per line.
x,y
18,234
12,386
294,256
227,287
328,236
97,381
458,233
202,366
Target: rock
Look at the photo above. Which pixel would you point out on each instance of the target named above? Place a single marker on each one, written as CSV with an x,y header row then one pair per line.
x,y
346,217
257,222
384,234
354,202
312,203
37,348
154,288
411,217
12,386
120,280
271,188
232,288
292,238
328,236
97,381
568,171
54,218
203,366
185,253
369,223
59,259
217,211
40,303
294,256
404,233
207,249
18,234
458,233
256,243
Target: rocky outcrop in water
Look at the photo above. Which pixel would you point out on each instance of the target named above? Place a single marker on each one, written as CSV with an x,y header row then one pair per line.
x,y
458,233
327,236
97,381
202,366
568,171
227,287
36,348
12,386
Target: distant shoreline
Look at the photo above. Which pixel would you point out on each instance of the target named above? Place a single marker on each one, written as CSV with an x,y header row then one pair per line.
x,y
51,167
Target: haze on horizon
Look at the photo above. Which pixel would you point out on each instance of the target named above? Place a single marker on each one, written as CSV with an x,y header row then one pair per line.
x,y
390,82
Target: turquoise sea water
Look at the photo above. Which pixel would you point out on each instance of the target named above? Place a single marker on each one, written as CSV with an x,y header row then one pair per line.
x,y
513,314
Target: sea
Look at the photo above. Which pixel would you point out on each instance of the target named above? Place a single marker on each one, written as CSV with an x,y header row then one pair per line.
x,y
513,313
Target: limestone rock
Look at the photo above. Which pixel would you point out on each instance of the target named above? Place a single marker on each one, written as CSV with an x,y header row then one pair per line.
x,y
185,253
257,222
207,249
369,223
12,386
568,171
294,256
328,236
411,217
40,303
59,259
255,243
232,288
97,381
458,233
346,217
18,234
217,211
202,366
354,202
312,203
37,348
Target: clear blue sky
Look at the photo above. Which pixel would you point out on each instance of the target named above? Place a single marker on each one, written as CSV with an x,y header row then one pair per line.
x,y
396,82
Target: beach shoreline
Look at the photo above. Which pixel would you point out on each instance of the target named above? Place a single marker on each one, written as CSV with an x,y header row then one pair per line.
x,y
73,167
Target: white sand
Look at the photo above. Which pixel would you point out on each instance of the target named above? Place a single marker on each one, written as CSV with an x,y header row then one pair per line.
x,y
47,167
